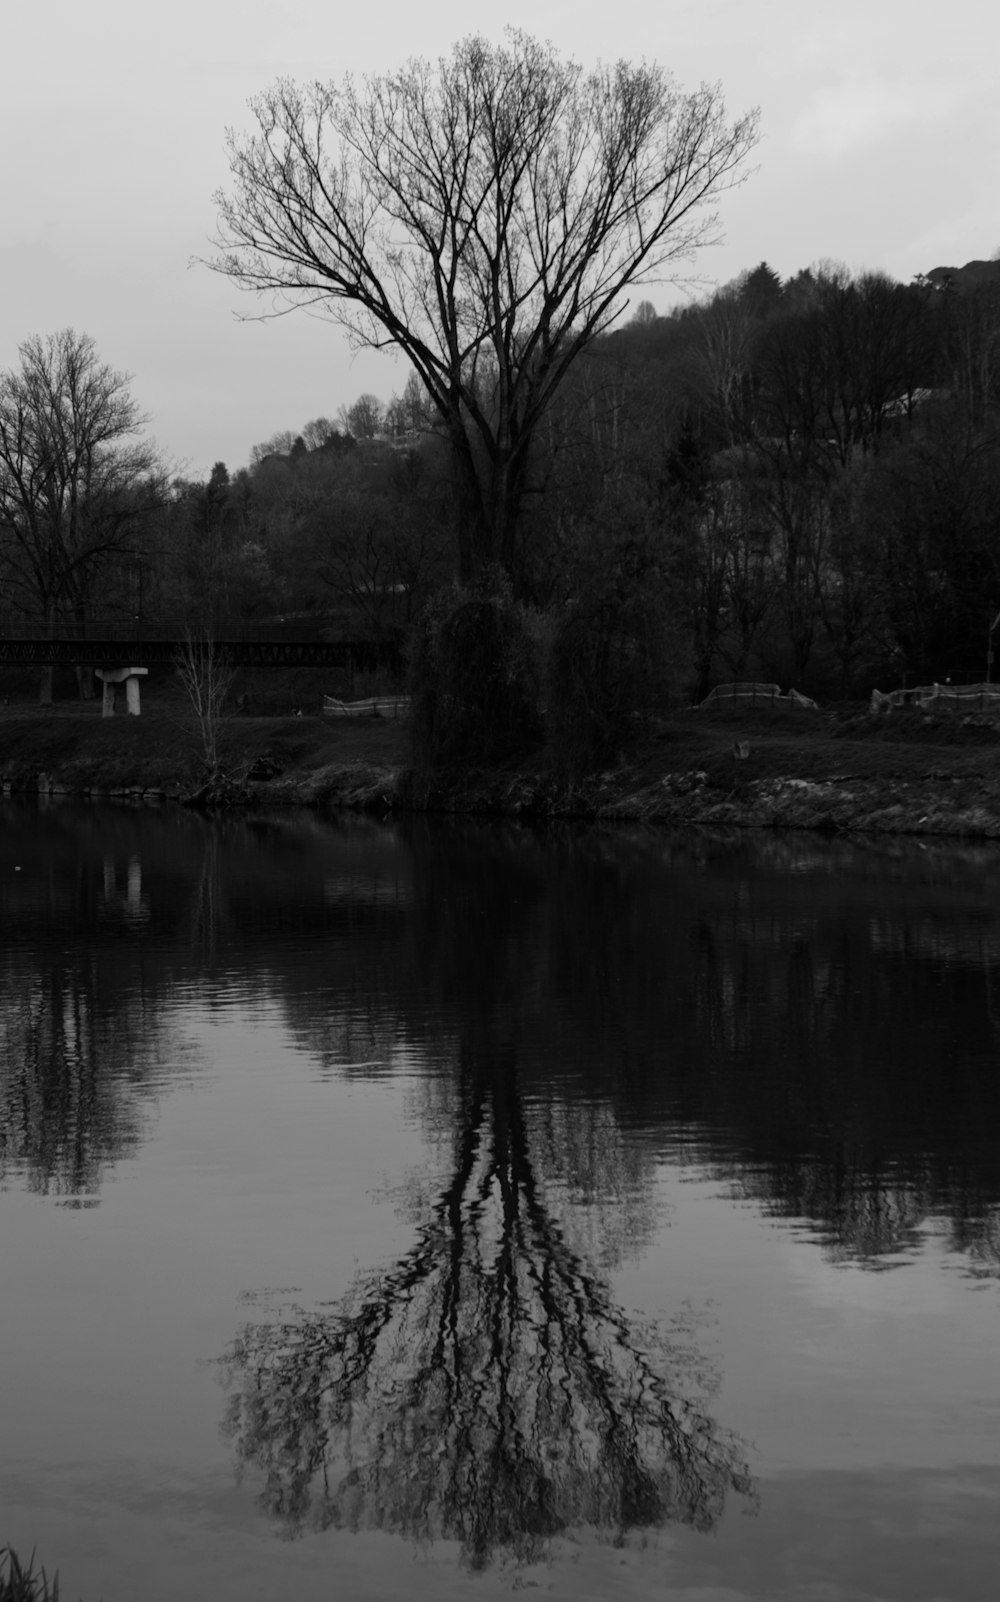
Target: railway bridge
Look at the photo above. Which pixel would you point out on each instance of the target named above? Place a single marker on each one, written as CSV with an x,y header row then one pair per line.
x,y
123,654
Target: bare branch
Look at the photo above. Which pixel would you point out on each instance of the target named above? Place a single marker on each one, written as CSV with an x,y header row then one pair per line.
x,y
485,215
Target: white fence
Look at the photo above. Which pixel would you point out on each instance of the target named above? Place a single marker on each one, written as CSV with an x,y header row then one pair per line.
x,y
940,698
376,706
755,695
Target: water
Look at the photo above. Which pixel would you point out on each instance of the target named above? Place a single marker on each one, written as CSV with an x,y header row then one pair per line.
x,y
427,1210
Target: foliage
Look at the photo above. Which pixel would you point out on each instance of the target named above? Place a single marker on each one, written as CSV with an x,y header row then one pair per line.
x,y
834,540
216,564
474,680
344,536
935,563
380,535
77,491
25,1584
815,465
615,648
73,488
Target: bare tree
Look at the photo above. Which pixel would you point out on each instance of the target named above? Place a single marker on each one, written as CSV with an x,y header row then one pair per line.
x,y
318,432
206,673
411,412
720,363
76,487
364,419
382,564
279,444
487,215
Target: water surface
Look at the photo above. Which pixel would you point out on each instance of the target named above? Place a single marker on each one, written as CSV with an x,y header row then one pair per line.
x,y
614,1212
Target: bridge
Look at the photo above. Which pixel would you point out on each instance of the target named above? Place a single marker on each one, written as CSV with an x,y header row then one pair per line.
x,y
360,654
122,654
150,645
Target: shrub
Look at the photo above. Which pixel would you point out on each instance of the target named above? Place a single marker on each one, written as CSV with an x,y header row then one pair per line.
x,y
615,651
473,680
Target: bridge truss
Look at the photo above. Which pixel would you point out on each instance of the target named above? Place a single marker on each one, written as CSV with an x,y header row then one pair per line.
x,y
360,655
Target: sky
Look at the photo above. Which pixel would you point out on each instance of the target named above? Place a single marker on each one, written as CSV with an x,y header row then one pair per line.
x,y
880,148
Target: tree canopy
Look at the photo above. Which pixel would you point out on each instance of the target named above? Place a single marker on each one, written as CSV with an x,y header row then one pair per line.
x,y
486,214
76,484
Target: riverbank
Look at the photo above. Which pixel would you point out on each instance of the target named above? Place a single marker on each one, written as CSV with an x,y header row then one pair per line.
x,y
905,773
305,760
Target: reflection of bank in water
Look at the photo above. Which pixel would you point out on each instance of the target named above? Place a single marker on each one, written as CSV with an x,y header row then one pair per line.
x,y
129,903
486,1389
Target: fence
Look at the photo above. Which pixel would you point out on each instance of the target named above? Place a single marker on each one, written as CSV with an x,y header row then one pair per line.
x,y
940,698
376,706
755,694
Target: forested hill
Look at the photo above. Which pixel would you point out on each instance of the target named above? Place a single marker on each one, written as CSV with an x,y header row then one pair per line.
x,y
794,481
973,275
791,480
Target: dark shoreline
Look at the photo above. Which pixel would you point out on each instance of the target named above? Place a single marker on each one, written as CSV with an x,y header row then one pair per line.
x,y
937,807
941,806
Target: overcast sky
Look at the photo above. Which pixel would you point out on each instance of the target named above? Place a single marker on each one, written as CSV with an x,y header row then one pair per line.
x,y
880,148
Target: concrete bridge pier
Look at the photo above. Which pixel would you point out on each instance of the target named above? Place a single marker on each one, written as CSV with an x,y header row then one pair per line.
x,y
111,678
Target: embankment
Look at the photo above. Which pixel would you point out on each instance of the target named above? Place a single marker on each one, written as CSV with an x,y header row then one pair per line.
x,y
905,774
936,804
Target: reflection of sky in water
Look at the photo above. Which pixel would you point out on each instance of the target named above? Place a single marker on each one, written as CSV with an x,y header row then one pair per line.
x,y
698,1074
828,1366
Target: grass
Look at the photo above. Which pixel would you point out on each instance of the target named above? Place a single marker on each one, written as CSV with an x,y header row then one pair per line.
x,y
25,1584
810,745
161,749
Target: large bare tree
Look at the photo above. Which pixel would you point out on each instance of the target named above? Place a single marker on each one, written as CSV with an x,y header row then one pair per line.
x,y
486,214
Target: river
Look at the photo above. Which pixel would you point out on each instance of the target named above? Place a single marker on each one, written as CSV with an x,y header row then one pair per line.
x,y
434,1209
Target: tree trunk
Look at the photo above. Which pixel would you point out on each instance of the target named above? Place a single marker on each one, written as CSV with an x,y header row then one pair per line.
x,y
48,671
490,494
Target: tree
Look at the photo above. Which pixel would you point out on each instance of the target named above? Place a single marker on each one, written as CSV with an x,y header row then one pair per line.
x,y
206,674
614,654
851,601
213,567
760,290
933,507
721,350
486,216
318,433
76,486
279,444
364,419
971,341
409,413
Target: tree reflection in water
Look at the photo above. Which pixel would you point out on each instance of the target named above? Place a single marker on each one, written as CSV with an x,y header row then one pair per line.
x,y
66,1079
486,1389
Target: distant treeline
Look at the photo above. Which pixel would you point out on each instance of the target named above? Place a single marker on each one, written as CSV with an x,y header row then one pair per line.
x,y
797,481
807,471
